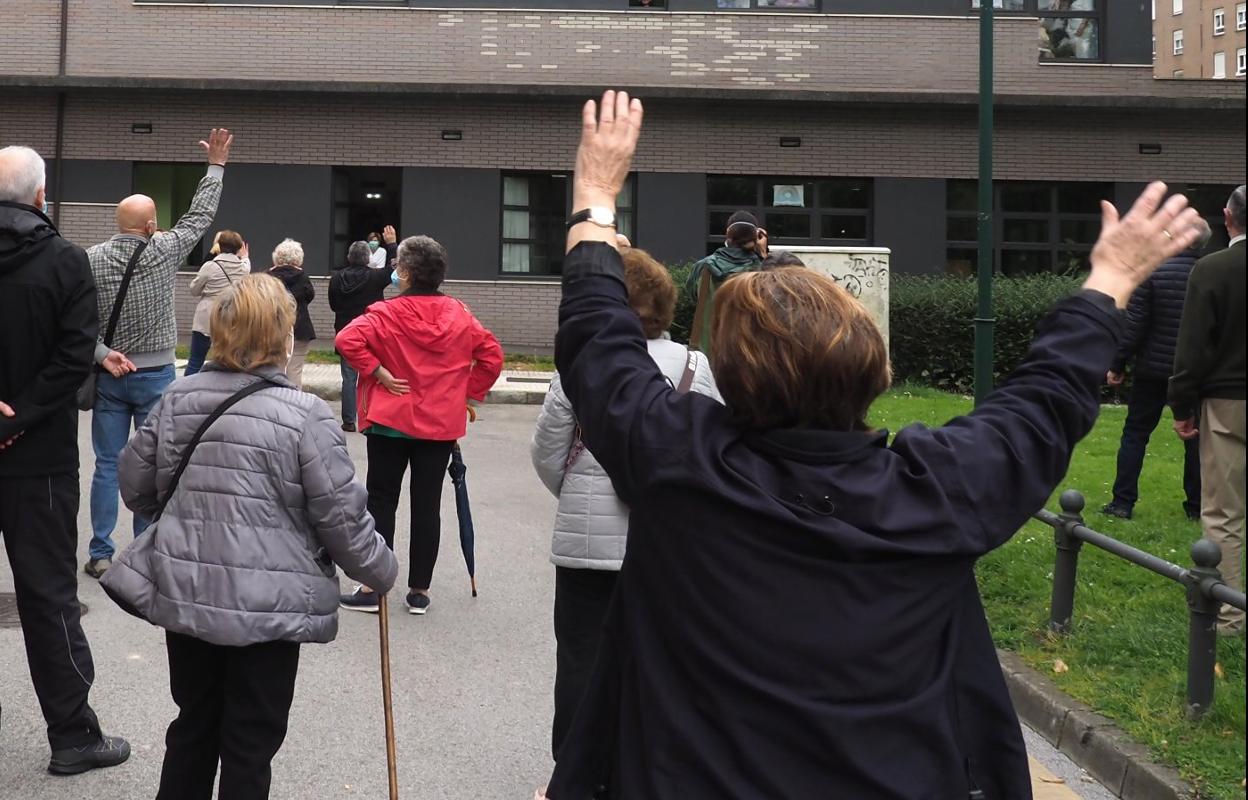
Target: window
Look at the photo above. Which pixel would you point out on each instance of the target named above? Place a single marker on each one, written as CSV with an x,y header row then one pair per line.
x,y
172,186
1038,227
1178,7
1219,21
1240,14
827,211
1219,65
1178,43
1209,199
1239,63
768,4
536,207
1070,29
657,5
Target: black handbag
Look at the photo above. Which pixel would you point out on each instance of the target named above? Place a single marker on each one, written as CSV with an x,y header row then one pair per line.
x,y
86,392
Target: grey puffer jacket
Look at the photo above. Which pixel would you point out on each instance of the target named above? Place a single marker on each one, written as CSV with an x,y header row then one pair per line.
x,y
246,546
591,525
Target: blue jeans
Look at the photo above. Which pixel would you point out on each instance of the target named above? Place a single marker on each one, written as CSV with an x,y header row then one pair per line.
x,y
119,402
1144,409
199,351
349,379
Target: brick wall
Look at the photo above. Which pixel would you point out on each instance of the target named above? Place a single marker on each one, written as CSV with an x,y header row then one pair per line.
x,y
87,223
804,52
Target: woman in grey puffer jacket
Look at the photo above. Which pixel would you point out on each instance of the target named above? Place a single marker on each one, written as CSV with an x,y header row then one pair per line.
x,y
591,526
243,565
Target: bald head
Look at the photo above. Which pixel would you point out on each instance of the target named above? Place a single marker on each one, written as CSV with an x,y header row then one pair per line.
x,y
137,215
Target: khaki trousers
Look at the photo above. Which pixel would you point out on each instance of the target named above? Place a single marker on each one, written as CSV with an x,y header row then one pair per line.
x,y
294,368
1222,493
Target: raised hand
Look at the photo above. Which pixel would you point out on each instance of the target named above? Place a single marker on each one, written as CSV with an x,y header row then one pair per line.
x,y
389,235
608,141
1130,248
217,148
117,364
393,385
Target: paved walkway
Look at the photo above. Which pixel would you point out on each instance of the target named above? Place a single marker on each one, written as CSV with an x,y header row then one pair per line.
x,y
472,679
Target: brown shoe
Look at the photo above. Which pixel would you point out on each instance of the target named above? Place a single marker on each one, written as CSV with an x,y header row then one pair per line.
x,y
348,427
96,567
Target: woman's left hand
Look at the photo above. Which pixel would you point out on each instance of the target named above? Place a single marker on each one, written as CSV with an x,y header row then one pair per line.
x,y
393,385
608,140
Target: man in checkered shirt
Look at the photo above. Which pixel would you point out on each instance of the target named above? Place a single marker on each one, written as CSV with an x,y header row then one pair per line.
x,y
137,365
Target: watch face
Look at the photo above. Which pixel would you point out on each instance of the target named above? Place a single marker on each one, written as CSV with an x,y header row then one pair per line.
x,y
602,216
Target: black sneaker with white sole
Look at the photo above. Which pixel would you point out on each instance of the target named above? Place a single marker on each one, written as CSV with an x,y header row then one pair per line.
x,y
109,751
417,603
359,600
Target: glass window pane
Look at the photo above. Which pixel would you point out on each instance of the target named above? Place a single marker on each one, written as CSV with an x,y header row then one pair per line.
x,y
732,3
962,195
842,226
625,198
1068,5
1026,197
962,229
718,223
1025,230
1082,198
515,224
516,257
1079,231
1004,5
784,194
1070,37
515,190
961,261
1026,262
844,194
724,190
786,3
1070,262
624,223
788,226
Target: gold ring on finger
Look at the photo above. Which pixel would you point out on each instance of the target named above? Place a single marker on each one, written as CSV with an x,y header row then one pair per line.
x,y
1168,234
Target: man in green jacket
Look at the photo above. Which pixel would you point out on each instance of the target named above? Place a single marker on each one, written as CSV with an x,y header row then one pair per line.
x,y
1209,380
745,247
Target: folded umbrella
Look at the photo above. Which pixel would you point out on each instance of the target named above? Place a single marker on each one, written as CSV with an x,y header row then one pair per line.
x,y
467,536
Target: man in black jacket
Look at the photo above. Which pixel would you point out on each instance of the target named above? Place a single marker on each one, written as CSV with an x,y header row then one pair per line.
x,y
1207,396
352,289
1152,331
48,326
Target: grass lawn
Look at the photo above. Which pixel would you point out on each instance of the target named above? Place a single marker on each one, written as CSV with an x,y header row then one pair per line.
x,y
1127,654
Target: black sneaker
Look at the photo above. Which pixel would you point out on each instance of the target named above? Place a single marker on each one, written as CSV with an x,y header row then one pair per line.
x,y
96,567
1116,509
109,751
1193,514
417,603
360,600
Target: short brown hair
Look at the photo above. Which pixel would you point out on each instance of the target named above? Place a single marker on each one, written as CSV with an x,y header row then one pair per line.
x,y
795,350
250,323
229,242
651,291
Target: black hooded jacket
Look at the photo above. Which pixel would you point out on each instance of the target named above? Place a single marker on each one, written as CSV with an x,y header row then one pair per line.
x,y
48,327
353,289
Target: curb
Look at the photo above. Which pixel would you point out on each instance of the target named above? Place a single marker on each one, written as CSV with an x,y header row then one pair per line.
x,y
1090,740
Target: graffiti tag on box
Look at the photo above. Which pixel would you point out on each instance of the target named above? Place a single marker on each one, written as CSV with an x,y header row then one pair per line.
x,y
861,272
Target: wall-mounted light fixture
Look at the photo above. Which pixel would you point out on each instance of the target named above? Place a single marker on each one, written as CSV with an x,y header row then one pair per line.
x,y
452,135
790,141
372,196
140,127
1150,149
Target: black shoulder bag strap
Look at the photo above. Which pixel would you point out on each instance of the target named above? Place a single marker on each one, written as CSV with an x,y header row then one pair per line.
x,y
115,316
247,390
223,272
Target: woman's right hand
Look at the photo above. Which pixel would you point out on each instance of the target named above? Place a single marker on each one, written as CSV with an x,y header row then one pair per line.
x,y
393,385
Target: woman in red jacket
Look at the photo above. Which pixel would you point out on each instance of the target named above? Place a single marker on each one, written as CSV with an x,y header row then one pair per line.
x,y
436,356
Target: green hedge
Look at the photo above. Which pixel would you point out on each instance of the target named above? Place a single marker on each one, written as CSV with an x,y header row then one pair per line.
x,y
931,325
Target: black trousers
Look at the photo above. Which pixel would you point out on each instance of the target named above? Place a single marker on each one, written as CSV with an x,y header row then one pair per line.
x,y
1144,408
38,522
582,597
233,706
388,459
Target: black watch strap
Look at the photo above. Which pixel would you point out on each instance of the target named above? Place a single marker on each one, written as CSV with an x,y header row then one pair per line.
x,y
587,215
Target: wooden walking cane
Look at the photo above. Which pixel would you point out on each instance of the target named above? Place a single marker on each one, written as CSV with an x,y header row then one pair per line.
x,y
383,620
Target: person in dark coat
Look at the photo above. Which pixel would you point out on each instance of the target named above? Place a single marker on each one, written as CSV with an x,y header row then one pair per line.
x,y
797,614
288,268
352,289
48,326
1152,331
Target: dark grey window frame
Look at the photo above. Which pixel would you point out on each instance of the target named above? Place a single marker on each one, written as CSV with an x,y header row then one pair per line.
x,y
761,207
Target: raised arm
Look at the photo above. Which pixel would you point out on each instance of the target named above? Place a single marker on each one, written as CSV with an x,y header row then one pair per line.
x,y
1002,461
177,242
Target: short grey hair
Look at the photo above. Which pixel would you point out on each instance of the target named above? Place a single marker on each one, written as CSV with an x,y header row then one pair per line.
x,y
289,252
22,174
1203,233
359,254
424,261
1236,205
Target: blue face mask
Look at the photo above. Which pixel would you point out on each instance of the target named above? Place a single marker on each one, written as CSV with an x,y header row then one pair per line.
x,y
394,278
45,207
373,245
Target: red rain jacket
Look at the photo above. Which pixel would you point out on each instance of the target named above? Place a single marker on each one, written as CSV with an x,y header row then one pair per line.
x,y
433,342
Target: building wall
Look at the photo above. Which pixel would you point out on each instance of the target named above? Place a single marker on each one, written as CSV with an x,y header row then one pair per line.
x,y
494,50
1199,41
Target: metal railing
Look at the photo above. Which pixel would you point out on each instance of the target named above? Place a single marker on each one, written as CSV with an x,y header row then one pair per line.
x,y
1205,590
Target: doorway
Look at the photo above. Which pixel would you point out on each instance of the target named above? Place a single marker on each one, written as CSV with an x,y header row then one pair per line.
x,y
366,199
